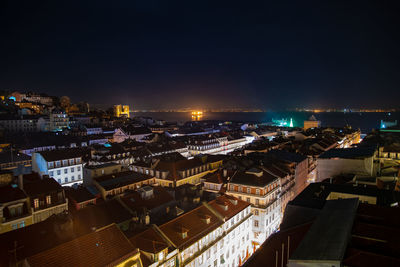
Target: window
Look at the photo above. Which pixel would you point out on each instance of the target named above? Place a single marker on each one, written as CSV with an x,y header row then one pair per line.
x,y
248,199
66,179
58,172
79,176
59,181
36,203
51,173
71,162
257,201
78,160
72,169
65,162
257,191
65,171
256,212
248,190
51,164
255,223
79,168
48,200
72,178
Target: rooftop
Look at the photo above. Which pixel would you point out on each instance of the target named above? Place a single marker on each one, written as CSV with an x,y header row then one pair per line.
x,y
42,186
8,194
192,224
251,179
116,180
349,153
60,154
100,248
333,225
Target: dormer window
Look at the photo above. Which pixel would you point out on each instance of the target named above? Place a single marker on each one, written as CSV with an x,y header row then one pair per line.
x,y
205,218
223,204
182,231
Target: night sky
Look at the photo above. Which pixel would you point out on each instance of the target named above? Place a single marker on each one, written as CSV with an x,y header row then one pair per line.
x,y
168,54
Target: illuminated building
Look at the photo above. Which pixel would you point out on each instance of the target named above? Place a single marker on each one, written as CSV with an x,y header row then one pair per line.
x,y
283,122
358,160
14,209
65,166
387,124
58,120
261,189
216,233
121,111
47,198
27,123
311,123
197,115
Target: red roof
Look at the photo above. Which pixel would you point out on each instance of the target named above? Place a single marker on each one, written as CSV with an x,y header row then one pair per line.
x,y
193,223
103,247
229,201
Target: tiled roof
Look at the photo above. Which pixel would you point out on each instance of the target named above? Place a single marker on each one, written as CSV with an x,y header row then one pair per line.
x,y
60,154
8,193
100,248
193,224
135,202
245,178
100,215
5,157
149,241
234,206
43,186
111,181
80,194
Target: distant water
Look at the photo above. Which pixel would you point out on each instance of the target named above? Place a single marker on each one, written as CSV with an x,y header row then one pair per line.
x,y
365,121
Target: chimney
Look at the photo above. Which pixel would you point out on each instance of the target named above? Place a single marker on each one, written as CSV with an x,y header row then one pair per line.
x,y
21,181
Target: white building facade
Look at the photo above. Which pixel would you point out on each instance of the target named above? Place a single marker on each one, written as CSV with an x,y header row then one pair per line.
x,y
66,170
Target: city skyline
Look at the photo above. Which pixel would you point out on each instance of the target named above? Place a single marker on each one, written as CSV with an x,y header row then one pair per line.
x,y
156,55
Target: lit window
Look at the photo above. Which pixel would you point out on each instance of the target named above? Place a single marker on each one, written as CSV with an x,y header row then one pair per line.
x,y
48,200
36,203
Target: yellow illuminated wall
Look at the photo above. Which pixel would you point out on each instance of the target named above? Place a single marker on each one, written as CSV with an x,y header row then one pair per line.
x,y
121,111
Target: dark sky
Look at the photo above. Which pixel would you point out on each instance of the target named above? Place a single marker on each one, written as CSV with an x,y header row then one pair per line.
x,y
157,54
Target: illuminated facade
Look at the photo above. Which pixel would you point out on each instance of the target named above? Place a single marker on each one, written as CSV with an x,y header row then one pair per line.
x,y
311,123
59,120
121,111
197,115
261,190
